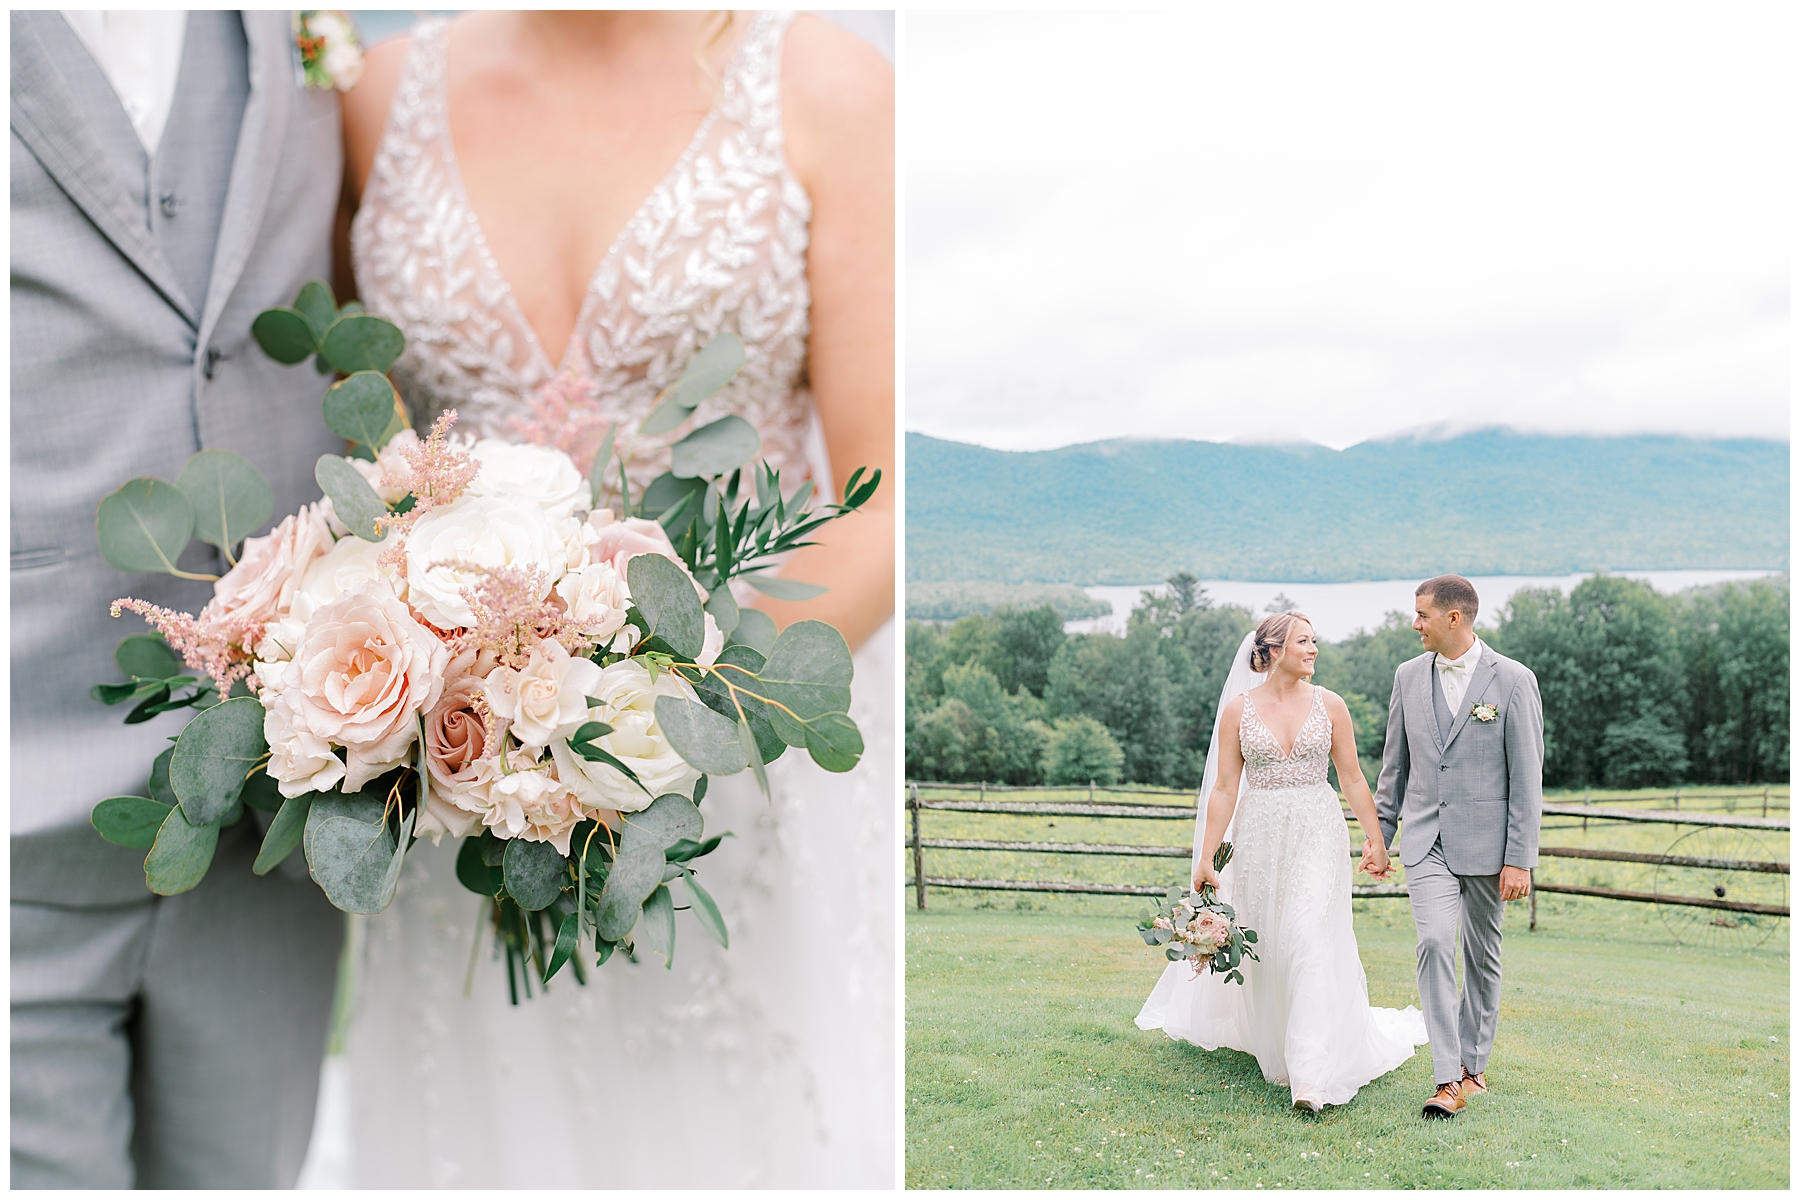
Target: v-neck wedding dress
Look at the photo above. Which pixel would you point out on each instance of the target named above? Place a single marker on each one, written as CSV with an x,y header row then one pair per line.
x,y
768,1064
1303,1010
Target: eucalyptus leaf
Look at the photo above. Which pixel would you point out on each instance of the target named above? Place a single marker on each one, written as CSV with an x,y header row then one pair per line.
x,y
263,791
317,305
160,791
129,820
723,607
147,656
708,913
782,589
356,503
390,881
178,860
670,818
636,872
361,409
834,741
807,675
362,342
535,873
475,874
144,526
707,741
716,448
214,755
710,370
285,335
664,594
348,849
285,833
755,629
659,924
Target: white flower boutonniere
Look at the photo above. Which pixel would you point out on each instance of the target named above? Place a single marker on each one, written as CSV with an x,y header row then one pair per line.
x,y
330,55
1485,712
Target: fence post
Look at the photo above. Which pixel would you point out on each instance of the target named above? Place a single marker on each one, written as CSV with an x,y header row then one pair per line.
x,y
918,849
1090,791
1765,802
984,790
1534,909
1677,799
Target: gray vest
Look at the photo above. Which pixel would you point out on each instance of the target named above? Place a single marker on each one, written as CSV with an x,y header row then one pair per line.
x,y
134,282
1441,703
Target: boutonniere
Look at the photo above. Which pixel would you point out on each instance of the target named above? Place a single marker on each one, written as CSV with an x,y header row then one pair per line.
x,y
330,55
1485,712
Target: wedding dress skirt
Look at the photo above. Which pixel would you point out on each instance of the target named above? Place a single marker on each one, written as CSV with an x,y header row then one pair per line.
x,y
1303,1010
769,1064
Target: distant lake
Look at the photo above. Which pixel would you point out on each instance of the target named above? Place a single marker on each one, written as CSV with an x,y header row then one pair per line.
x,y
1340,609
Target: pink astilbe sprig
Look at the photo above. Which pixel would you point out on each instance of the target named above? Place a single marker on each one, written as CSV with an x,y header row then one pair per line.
x,y
510,618
564,413
437,473
221,649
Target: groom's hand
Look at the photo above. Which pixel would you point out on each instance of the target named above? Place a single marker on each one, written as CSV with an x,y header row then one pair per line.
x,y
1515,883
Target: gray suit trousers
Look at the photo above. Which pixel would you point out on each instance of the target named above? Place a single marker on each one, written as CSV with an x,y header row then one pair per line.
x,y
1462,1034
172,1042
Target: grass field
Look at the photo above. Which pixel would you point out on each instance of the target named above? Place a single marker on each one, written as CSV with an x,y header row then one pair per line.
x,y
1623,1058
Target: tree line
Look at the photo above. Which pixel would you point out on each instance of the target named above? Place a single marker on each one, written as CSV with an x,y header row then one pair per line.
x,y
1640,689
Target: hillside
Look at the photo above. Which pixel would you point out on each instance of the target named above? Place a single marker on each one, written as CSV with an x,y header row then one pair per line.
x,y
1488,503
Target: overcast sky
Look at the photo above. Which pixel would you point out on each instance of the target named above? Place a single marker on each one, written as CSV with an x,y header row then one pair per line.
x,y
1262,224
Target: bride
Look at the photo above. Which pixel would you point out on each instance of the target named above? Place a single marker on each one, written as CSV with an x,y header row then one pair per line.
x,y
559,209
1303,1010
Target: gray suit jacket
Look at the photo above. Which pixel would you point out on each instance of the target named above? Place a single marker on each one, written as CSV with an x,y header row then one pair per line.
x,y
1478,786
117,372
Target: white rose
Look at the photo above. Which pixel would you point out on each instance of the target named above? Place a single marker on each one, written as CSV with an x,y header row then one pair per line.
x,y
526,800
483,530
628,704
596,599
344,569
539,474
713,643
390,472
299,760
546,700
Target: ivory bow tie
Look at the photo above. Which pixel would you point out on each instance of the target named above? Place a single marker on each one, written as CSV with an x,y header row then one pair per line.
x,y
1454,666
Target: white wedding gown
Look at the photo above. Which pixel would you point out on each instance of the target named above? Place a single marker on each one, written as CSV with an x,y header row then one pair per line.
x,y
768,1064
1303,1010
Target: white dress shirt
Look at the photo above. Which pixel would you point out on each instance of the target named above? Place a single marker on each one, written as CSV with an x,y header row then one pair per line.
x,y
140,52
1454,675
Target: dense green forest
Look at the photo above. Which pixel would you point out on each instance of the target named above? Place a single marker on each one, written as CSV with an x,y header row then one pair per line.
x,y
1640,689
1491,503
948,601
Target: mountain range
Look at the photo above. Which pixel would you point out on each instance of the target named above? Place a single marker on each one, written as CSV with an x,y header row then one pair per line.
x,y
1494,502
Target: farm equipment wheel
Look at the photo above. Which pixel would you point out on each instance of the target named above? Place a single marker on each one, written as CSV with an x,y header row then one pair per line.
x,y
1693,925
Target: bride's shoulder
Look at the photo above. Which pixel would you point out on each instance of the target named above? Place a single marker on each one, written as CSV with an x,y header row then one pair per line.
x,y
837,97
366,105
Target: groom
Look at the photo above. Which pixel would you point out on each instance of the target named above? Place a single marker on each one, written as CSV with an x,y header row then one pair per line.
x,y
170,179
1463,773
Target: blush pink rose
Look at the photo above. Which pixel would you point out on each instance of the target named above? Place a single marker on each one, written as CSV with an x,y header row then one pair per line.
x,y
362,672
261,587
618,542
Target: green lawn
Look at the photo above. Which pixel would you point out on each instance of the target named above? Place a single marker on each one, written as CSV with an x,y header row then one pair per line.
x,y
1622,1060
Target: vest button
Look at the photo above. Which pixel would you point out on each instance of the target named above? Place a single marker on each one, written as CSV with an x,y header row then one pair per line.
x,y
168,204
213,359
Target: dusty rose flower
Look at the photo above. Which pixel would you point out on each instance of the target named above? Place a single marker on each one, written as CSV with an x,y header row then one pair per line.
x,y
548,699
261,587
363,669
621,541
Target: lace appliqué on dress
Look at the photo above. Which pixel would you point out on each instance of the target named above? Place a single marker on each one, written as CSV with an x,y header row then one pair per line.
x,y
719,245
1288,810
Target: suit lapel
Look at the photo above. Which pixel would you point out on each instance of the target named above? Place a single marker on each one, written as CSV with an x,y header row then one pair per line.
x,y
1431,713
1485,671
48,120
261,143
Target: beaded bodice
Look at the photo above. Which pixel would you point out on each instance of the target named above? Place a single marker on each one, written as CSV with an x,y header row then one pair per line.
x,y
1305,765
719,245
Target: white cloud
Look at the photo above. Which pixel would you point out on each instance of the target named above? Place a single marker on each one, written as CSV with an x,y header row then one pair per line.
x,y
1345,224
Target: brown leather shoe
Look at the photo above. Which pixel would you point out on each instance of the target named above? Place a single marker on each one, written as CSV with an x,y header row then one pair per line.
x,y
1447,1101
1474,1084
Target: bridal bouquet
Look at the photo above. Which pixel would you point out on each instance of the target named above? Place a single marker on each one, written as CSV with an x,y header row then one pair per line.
x,y
1201,927
473,638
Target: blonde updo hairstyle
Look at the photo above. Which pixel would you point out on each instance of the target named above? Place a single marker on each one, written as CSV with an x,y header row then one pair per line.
x,y
1272,635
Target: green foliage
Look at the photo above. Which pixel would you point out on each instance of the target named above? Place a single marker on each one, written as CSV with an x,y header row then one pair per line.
x,y
948,600
286,832
1123,512
214,755
144,526
1081,751
1123,683
347,340
534,873
361,409
355,501
711,369
130,820
178,860
717,448
664,596
349,847
230,497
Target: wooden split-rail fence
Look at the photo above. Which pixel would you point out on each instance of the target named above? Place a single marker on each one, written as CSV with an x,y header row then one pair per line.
x,y
918,844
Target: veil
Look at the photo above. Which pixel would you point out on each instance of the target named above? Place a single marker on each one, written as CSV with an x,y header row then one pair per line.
x,y
1240,680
